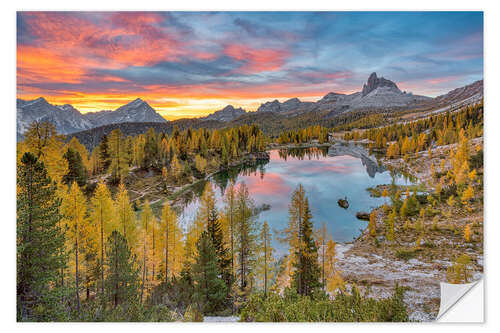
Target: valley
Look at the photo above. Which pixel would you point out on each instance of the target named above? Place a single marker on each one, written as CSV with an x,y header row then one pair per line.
x,y
404,168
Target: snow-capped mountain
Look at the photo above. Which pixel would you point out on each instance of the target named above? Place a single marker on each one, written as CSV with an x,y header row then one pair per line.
x,y
137,111
68,120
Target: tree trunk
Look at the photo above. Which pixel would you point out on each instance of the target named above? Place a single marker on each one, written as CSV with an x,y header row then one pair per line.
x,y
166,253
143,271
116,274
324,282
153,256
265,266
102,255
76,275
232,236
76,266
300,270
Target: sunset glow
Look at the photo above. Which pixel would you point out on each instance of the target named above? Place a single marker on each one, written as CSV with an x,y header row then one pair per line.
x,y
188,64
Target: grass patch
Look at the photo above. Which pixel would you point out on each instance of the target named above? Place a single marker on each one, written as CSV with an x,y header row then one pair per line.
x,y
428,245
374,192
406,254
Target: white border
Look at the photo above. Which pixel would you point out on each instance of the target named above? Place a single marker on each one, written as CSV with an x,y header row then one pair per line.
x,y
7,132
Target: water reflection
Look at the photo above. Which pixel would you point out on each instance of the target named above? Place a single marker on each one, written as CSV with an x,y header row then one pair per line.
x,y
325,179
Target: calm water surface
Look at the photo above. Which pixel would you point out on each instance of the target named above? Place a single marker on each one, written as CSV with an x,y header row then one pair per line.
x,y
325,179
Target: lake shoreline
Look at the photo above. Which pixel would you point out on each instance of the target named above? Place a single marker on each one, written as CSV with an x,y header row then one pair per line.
x,y
369,265
375,263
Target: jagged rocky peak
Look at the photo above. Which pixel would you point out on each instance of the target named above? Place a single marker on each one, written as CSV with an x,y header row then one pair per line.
x,y
228,113
230,108
292,102
375,82
67,107
273,106
39,101
136,103
331,97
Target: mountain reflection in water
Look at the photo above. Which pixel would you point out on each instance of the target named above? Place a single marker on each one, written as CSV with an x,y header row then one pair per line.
x,y
326,174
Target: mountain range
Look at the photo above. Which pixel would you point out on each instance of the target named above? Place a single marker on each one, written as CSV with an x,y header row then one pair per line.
x,y
68,120
377,93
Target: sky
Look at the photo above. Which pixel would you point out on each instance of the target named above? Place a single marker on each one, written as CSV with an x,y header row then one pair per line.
x,y
190,64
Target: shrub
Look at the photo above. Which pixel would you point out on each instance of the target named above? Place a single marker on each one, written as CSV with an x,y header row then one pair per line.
x,y
348,307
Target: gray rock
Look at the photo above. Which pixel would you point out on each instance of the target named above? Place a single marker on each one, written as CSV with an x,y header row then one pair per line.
x,y
375,82
291,105
68,120
135,111
227,114
65,118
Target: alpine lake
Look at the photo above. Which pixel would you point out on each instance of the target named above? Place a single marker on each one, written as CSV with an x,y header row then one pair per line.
x,y
327,175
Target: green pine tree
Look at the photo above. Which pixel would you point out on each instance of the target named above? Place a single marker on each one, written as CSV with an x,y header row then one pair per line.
x,y
210,290
40,242
306,276
214,229
122,275
76,170
103,153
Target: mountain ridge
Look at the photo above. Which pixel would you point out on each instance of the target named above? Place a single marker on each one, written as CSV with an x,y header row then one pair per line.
x,y
380,94
67,119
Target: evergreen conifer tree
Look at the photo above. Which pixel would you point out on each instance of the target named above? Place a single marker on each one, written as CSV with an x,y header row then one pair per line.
x,y
76,169
210,290
40,241
121,273
305,278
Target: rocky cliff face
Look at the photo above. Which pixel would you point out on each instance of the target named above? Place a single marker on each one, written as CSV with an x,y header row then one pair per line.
x,y
67,119
375,82
293,104
472,91
227,114
135,111
377,93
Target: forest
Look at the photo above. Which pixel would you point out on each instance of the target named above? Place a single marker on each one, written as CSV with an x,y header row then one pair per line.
x,y
87,252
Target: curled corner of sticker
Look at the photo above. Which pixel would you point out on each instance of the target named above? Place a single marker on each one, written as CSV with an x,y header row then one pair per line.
x,y
452,295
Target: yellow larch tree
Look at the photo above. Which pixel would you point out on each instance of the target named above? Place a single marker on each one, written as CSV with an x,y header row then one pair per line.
x,y
102,215
230,214
175,167
372,224
321,240
265,258
119,157
468,232
146,221
74,211
334,279
170,235
459,271
467,195
138,150
155,253
42,139
126,222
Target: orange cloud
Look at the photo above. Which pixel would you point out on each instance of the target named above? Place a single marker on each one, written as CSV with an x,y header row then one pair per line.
x,y
257,60
38,64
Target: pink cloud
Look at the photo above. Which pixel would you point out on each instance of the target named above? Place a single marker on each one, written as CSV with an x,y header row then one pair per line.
x,y
257,60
